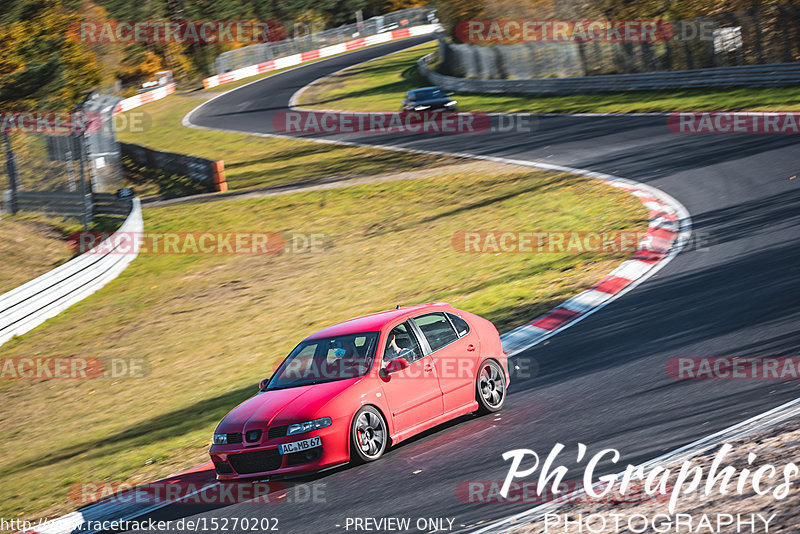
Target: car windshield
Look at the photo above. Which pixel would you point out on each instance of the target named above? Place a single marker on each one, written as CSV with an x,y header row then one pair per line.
x,y
326,360
428,94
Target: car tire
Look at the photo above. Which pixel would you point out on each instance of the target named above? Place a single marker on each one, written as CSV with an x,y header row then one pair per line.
x,y
490,387
369,435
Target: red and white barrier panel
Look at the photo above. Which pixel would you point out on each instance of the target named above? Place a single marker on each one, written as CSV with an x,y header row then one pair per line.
x,y
297,59
144,98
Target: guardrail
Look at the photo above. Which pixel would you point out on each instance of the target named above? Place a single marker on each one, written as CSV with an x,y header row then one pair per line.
x,y
29,305
772,75
209,172
66,204
272,50
297,59
143,98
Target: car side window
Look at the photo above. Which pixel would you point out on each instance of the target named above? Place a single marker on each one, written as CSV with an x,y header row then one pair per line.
x,y
462,327
436,329
402,343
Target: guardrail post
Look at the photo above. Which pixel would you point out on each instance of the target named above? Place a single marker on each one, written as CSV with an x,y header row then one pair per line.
x,y
10,195
85,190
218,182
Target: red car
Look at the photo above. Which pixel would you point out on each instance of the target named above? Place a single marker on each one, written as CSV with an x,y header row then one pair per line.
x,y
351,390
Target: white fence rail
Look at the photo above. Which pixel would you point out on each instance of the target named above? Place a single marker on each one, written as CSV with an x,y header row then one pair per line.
x,y
29,305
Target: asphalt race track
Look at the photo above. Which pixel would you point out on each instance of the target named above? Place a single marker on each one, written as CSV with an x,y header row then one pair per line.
x,y
601,382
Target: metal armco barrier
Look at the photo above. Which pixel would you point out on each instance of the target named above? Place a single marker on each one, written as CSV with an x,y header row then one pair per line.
x,y
66,204
143,98
773,75
206,171
29,305
297,59
263,52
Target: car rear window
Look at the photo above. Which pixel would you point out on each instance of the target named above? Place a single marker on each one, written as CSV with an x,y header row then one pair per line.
x,y
436,329
462,327
429,93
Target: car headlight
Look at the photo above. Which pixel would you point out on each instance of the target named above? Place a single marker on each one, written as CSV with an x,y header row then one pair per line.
x,y
421,108
220,439
451,103
308,426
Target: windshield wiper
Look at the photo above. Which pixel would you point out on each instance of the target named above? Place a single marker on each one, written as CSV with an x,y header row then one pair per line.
x,y
310,383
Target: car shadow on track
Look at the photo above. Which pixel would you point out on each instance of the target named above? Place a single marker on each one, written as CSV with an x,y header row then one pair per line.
x,y
302,491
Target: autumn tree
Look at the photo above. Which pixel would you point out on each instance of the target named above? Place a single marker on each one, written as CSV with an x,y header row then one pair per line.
x,y
40,65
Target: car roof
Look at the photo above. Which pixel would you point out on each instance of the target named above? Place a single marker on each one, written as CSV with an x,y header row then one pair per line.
x,y
432,88
374,321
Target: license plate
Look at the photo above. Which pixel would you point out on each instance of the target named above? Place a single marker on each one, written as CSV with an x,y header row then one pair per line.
x,y
297,446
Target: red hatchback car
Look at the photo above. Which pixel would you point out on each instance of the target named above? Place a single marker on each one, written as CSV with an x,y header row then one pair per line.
x,y
347,392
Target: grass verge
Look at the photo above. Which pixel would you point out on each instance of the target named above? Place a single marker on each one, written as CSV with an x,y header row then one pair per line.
x,y
211,326
31,245
254,162
381,84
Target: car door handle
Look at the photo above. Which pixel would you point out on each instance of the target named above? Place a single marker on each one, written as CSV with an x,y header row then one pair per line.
x,y
470,348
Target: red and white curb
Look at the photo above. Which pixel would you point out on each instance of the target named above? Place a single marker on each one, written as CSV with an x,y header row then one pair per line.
x,y
144,98
297,59
668,231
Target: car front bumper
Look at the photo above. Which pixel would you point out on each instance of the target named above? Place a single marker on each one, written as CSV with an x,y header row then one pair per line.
x,y
233,462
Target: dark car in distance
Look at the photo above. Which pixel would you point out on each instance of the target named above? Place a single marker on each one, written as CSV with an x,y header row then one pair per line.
x,y
427,99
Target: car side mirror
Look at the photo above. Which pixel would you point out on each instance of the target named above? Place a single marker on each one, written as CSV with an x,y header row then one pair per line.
x,y
398,364
263,384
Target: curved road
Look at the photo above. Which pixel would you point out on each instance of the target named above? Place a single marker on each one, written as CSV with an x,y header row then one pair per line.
x,y
602,382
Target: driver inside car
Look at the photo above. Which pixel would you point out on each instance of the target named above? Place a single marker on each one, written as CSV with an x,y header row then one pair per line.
x,y
344,360
397,349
